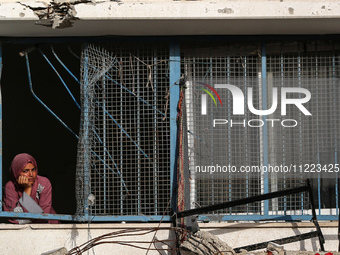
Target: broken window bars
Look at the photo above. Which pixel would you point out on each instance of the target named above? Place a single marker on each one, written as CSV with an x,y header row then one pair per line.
x,y
262,197
174,72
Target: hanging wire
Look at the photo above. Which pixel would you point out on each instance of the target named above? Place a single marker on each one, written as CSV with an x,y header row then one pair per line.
x,y
109,239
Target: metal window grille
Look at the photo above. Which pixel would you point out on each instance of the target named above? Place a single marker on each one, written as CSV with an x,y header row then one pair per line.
x,y
123,153
311,65
125,118
209,147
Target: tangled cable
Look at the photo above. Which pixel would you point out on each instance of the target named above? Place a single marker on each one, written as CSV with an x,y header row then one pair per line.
x,y
158,245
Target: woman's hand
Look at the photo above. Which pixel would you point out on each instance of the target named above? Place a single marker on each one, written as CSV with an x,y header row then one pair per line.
x,y
24,182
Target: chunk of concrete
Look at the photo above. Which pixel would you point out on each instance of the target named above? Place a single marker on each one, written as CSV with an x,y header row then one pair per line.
x,y
60,251
204,243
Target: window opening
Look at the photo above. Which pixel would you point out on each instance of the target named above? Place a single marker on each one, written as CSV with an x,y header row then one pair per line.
x,y
25,54
123,152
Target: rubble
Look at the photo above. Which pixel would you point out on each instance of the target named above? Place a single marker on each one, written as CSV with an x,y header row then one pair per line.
x,y
61,251
204,243
56,14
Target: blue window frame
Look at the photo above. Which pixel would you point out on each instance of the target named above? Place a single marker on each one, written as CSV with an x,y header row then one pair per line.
x,y
262,65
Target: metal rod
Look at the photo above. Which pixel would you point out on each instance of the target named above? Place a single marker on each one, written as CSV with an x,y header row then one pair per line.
x,y
68,70
264,118
61,79
243,201
122,130
315,220
138,115
25,52
175,74
41,102
155,133
281,241
104,138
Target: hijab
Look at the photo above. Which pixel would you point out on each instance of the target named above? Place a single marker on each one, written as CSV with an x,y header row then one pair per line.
x,y
19,162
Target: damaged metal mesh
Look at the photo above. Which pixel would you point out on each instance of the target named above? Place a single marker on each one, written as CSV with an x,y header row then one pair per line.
x,y
123,152
236,142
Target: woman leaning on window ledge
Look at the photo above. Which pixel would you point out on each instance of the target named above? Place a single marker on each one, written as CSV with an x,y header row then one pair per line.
x,y
28,191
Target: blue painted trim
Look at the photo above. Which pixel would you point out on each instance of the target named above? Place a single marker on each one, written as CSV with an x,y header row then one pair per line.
x,y
61,217
0,130
38,216
140,218
175,74
264,118
215,218
127,218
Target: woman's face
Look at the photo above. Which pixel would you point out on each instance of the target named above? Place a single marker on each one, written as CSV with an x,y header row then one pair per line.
x,y
30,171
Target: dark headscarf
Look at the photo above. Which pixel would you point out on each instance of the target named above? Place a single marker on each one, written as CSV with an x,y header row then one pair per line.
x,y
18,164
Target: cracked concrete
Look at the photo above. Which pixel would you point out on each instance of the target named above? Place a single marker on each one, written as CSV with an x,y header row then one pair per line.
x,y
168,17
58,14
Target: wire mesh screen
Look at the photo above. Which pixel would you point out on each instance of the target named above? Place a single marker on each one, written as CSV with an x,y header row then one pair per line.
x,y
223,139
310,147
215,140
123,154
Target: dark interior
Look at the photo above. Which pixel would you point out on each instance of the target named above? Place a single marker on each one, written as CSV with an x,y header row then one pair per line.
x,y
28,127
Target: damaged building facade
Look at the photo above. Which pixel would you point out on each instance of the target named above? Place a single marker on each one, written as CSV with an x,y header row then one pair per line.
x,y
146,115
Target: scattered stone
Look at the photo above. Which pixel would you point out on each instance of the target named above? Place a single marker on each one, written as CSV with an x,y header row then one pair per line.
x,y
275,249
204,243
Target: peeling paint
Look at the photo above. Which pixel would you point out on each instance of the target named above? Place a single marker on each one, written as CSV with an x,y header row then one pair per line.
x,y
291,10
56,14
226,10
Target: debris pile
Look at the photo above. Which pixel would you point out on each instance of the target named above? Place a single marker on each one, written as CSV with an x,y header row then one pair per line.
x,y
204,243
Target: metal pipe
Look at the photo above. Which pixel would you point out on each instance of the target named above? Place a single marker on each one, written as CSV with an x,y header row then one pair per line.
x,y
61,79
41,102
264,118
175,74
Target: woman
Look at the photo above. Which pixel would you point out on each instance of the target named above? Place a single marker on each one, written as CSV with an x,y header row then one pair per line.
x,y
27,191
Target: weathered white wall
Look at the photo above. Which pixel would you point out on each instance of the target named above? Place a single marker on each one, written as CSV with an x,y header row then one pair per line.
x,y
167,17
37,239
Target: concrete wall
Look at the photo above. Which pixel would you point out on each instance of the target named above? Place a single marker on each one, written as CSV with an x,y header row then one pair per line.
x,y
37,239
151,17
